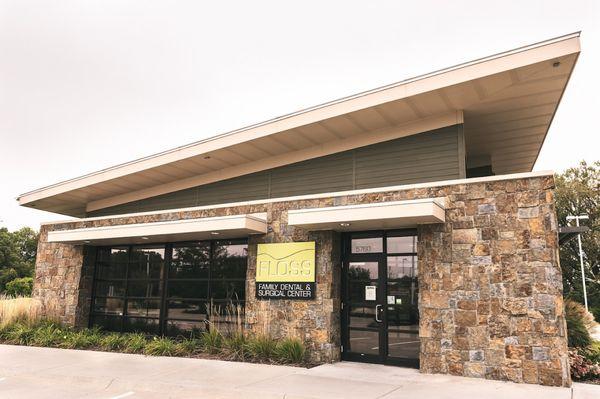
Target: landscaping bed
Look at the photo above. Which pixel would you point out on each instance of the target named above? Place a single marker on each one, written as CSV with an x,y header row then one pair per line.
x,y
211,344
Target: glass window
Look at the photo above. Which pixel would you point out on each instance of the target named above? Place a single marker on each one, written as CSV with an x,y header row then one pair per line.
x,y
400,245
188,289
146,263
108,306
144,325
363,270
110,288
366,342
190,261
401,267
185,327
144,289
230,261
367,245
191,310
143,307
132,283
108,323
234,290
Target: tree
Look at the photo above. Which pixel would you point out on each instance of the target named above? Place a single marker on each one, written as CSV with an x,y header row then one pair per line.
x,y
17,254
578,193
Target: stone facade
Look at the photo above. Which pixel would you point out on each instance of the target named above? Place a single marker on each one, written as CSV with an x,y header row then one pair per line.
x,y
490,283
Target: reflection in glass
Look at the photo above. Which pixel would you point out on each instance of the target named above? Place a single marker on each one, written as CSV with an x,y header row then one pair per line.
x,y
145,289
233,290
143,307
109,306
363,270
190,261
110,288
367,245
362,316
401,266
366,342
180,309
230,261
135,324
188,289
400,245
108,323
185,327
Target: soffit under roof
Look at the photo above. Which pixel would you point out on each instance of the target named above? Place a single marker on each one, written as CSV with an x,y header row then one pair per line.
x,y
506,102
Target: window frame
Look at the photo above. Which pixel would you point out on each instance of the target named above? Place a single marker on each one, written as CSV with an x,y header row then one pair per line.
x,y
164,298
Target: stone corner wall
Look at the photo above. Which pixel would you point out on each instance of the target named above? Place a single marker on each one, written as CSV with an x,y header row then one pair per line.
x,y
490,285
63,280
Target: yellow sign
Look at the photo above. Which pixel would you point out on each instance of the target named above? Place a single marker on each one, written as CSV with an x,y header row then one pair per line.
x,y
290,262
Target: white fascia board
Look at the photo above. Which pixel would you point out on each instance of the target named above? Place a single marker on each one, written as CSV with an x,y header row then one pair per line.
x,y
381,214
240,224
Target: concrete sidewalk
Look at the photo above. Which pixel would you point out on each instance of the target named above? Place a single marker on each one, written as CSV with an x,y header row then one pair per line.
x,y
39,373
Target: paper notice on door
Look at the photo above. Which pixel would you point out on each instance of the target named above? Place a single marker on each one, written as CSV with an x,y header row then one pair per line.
x,y
370,293
391,299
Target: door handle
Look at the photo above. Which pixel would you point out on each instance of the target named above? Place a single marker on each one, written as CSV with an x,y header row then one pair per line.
x,y
377,308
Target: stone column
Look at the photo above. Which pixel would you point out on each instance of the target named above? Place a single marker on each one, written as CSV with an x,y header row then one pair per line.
x,y
316,322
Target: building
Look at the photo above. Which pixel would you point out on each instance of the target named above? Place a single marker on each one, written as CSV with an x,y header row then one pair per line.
x,y
414,231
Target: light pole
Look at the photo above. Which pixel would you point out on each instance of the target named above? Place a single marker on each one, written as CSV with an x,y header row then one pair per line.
x,y
577,218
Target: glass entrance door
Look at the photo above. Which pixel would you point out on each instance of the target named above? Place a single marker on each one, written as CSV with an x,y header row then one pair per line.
x,y
380,318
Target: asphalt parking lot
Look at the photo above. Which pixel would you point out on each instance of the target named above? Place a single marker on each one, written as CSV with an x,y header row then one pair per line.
x,y
27,372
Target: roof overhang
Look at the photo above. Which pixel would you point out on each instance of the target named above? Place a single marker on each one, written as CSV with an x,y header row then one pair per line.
x,y
506,101
223,227
379,215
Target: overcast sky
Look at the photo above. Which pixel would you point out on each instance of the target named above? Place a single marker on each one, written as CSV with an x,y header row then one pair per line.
x,y
89,84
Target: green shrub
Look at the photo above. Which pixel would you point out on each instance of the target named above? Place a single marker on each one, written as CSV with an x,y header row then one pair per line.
x,y
19,287
135,343
212,341
262,347
20,334
235,345
290,350
47,334
161,347
113,342
592,353
577,329
187,347
82,339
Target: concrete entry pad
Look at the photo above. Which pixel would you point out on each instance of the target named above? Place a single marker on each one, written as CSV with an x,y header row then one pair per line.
x,y
27,372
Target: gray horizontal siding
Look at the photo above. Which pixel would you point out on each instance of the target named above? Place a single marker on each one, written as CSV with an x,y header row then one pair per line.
x,y
420,158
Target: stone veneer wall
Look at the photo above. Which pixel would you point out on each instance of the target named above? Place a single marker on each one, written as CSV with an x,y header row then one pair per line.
x,y
490,283
491,288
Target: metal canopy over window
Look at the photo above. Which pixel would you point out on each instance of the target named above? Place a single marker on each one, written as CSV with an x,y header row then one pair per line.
x,y
168,289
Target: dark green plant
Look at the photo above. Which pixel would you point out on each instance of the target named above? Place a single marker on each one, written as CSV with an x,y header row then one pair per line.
x,y
19,287
235,345
187,347
161,347
290,350
47,334
17,254
20,334
135,343
113,342
262,347
212,340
